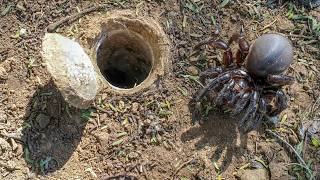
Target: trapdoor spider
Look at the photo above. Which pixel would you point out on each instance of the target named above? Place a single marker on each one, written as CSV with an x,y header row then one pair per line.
x,y
249,85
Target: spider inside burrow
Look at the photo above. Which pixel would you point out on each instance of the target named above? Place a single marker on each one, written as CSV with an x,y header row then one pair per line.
x,y
249,85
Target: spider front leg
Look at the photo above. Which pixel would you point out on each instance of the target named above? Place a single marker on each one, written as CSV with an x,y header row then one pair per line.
x,y
280,80
219,44
210,73
213,84
243,101
225,93
244,47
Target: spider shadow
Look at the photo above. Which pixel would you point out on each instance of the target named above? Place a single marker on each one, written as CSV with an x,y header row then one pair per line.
x,y
51,130
220,132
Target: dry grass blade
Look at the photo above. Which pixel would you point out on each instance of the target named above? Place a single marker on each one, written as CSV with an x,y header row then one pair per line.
x,y
52,27
300,159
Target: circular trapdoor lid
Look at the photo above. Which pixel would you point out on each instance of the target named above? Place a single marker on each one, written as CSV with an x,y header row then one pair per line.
x,y
71,69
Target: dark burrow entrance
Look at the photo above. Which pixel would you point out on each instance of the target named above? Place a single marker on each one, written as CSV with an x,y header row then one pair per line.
x,y
124,58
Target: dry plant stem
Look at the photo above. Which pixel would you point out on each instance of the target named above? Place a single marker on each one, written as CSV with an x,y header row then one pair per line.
x,y
183,165
300,159
52,27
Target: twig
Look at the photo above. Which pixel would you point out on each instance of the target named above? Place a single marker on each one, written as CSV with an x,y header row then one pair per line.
x,y
300,36
15,136
52,27
101,109
300,159
268,25
183,165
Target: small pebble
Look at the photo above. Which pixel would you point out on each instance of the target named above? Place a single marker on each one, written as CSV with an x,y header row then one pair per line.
x,y
4,147
279,171
43,120
3,116
121,105
3,73
210,65
13,144
13,107
133,155
11,165
293,139
193,70
255,174
135,107
193,59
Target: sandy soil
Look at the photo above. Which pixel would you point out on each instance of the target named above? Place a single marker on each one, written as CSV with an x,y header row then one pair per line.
x,y
150,135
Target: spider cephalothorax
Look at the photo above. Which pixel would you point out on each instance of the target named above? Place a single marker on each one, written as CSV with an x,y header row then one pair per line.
x,y
250,85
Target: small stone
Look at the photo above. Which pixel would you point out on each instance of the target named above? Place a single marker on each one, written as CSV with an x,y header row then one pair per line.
x,y
3,116
293,139
3,73
104,117
133,155
181,52
135,107
193,59
193,70
102,138
13,144
121,105
45,145
19,150
13,107
11,165
210,65
4,148
255,174
43,120
279,171
71,69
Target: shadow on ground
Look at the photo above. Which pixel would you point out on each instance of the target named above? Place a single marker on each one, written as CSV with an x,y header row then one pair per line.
x,y
220,132
51,130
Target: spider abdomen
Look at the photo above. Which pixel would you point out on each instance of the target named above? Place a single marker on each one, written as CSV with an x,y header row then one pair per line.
x,y
269,54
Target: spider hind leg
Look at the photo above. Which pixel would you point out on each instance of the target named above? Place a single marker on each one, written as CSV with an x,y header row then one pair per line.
x,y
280,103
251,109
259,117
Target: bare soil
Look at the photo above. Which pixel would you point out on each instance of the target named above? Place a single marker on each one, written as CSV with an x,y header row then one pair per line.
x,y
149,135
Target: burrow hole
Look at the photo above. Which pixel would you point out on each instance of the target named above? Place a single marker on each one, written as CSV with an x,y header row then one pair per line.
x,y
124,58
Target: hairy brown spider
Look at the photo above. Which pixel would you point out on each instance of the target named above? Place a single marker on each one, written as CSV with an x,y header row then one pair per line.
x,y
250,86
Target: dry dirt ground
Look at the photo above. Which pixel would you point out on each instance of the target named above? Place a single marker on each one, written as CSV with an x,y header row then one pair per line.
x,y
150,135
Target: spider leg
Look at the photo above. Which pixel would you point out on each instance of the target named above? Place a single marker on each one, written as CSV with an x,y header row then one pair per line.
x,y
210,73
263,106
280,80
281,103
219,44
244,47
260,114
216,82
252,109
225,91
254,123
241,103
235,97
